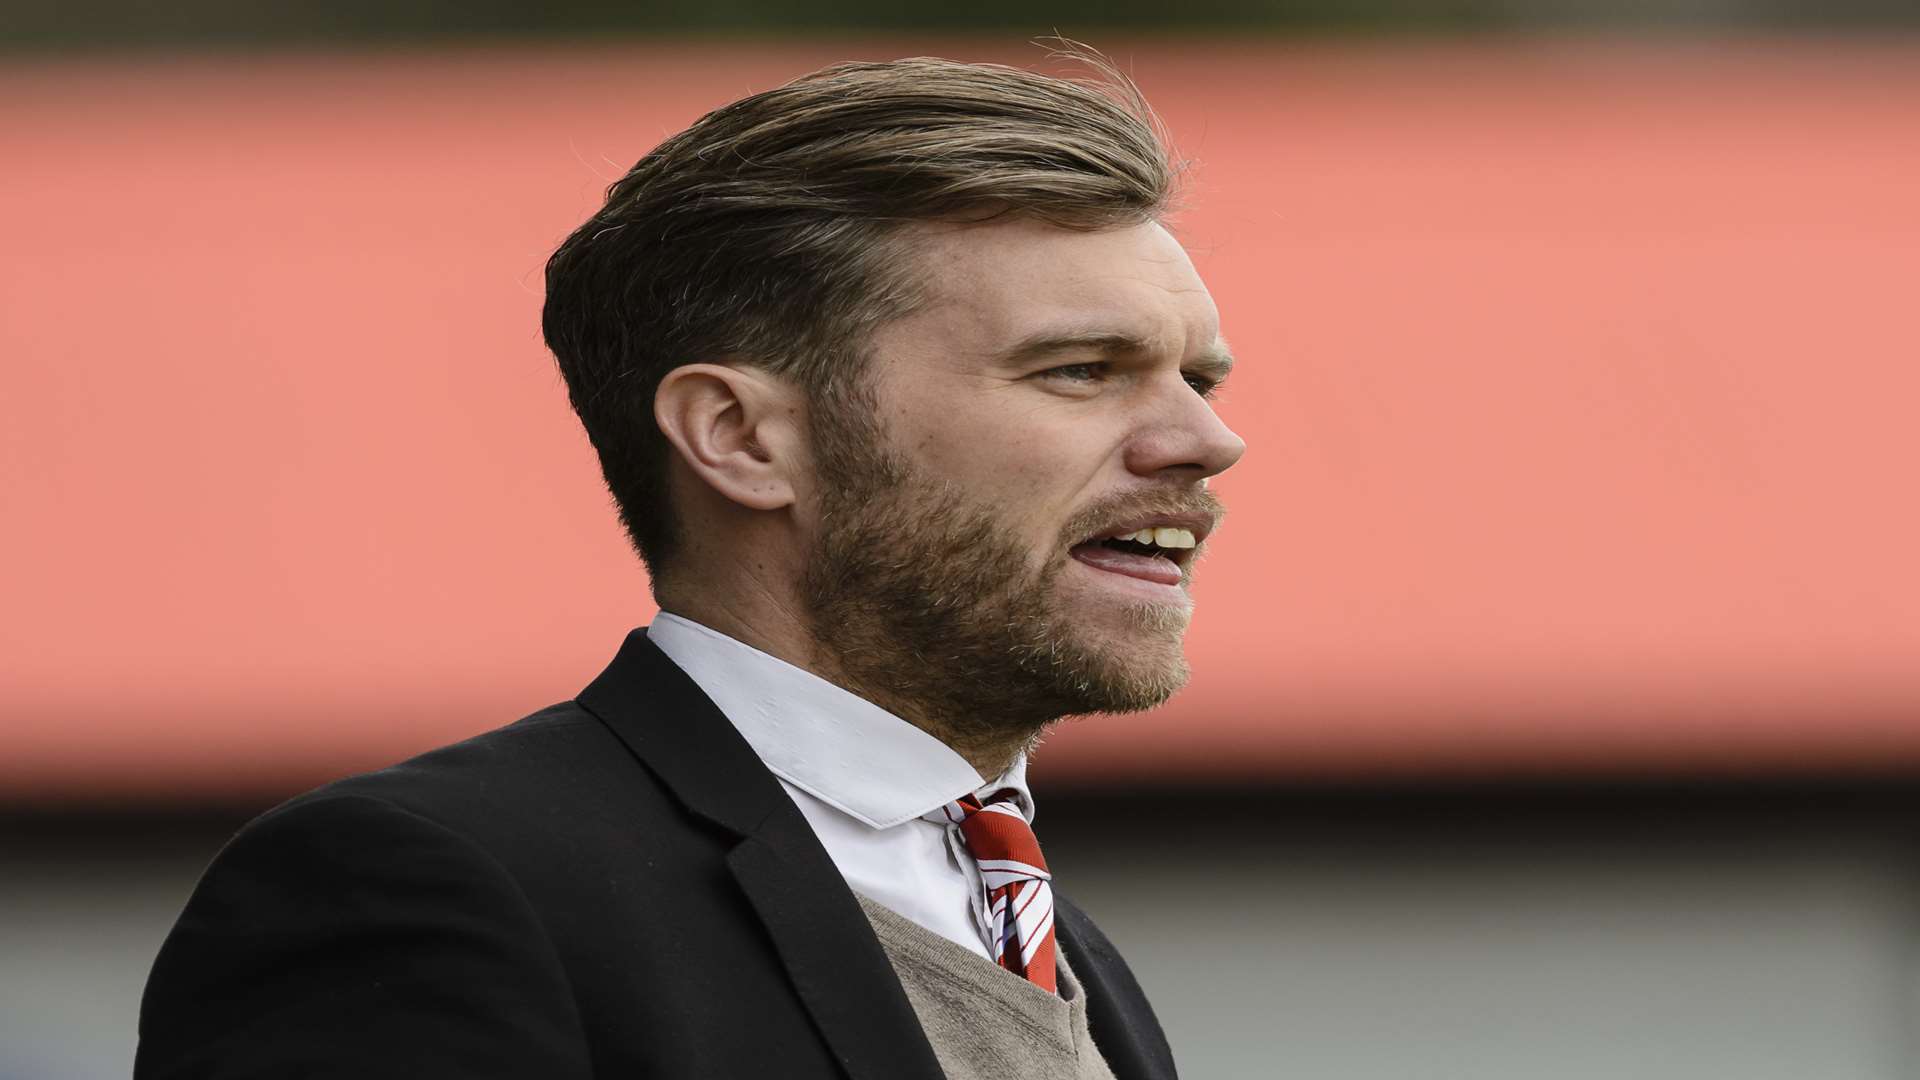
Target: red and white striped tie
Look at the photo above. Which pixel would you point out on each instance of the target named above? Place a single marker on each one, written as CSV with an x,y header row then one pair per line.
x,y
1019,888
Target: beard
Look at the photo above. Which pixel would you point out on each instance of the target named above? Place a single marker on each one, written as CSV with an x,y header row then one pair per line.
x,y
921,603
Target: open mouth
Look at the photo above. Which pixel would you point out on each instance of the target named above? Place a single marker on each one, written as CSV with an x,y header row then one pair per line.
x,y
1160,552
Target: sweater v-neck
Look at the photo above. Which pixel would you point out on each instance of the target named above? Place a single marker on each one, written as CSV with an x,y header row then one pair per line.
x,y
983,1020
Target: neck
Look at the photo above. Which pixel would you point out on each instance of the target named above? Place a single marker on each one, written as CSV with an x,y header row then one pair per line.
x,y
755,616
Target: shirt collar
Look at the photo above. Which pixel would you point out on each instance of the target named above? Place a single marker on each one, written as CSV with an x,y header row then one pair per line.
x,y
836,746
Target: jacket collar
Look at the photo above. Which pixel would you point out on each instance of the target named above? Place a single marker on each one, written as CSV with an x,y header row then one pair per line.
x,y
822,937
681,736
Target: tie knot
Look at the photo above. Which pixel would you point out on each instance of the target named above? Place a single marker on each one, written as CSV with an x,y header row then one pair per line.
x,y
1001,841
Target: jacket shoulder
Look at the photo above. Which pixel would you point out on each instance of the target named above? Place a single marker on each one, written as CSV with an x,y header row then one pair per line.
x,y
544,797
558,758
340,934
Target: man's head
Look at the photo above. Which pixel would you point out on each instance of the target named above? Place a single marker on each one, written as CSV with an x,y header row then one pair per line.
x,y
891,354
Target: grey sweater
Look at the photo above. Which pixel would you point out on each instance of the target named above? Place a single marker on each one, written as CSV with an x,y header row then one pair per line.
x,y
986,1023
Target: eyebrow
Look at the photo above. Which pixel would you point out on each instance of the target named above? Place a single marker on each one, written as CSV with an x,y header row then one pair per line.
x,y
1214,361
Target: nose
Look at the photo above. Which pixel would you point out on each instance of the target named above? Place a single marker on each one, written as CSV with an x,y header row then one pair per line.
x,y
1184,439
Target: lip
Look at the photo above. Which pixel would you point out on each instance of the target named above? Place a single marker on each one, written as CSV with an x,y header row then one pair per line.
x,y
1152,591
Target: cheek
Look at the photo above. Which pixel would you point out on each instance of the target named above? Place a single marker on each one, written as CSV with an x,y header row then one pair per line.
x,y
1031,485
1031,467
991,455
972,443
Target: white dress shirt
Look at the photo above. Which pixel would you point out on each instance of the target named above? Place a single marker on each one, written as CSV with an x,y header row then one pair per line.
x,y
859,774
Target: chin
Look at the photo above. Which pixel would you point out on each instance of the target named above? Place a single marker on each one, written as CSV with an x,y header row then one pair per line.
x,y
1128,656
1136,683
1127,614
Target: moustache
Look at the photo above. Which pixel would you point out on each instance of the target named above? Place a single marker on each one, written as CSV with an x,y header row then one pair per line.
x,y
1118,511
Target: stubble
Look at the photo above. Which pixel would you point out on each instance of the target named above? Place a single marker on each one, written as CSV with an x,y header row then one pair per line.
x,y
922,605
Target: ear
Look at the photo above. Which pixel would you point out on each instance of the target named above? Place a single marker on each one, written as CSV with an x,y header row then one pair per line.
x,y
735,428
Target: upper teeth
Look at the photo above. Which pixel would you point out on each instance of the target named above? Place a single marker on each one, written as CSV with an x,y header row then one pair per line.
x,y
1166,538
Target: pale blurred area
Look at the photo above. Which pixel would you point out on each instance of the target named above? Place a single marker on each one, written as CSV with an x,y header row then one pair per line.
x,y
1556,708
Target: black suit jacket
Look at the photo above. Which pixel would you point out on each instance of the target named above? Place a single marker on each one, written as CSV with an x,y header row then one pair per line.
x,y
612,887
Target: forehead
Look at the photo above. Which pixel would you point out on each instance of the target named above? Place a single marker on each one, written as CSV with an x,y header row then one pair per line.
x,y
992,285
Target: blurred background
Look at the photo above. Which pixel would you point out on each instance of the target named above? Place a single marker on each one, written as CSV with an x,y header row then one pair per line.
x,y
1556,707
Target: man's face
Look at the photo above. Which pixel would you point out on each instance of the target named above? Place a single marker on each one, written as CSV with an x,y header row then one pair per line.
x,y
1048,397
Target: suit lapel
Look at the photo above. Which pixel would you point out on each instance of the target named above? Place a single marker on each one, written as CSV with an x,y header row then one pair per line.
x,y
1118,1016
834,959
822,937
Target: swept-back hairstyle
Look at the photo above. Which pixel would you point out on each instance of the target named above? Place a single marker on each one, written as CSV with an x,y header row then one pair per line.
x,y
769,233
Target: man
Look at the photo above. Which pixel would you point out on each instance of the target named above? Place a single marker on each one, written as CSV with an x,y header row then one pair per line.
x,y
902,391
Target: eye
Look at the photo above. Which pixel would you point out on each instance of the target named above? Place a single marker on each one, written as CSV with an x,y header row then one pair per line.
x,y
1088,372
1204,385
